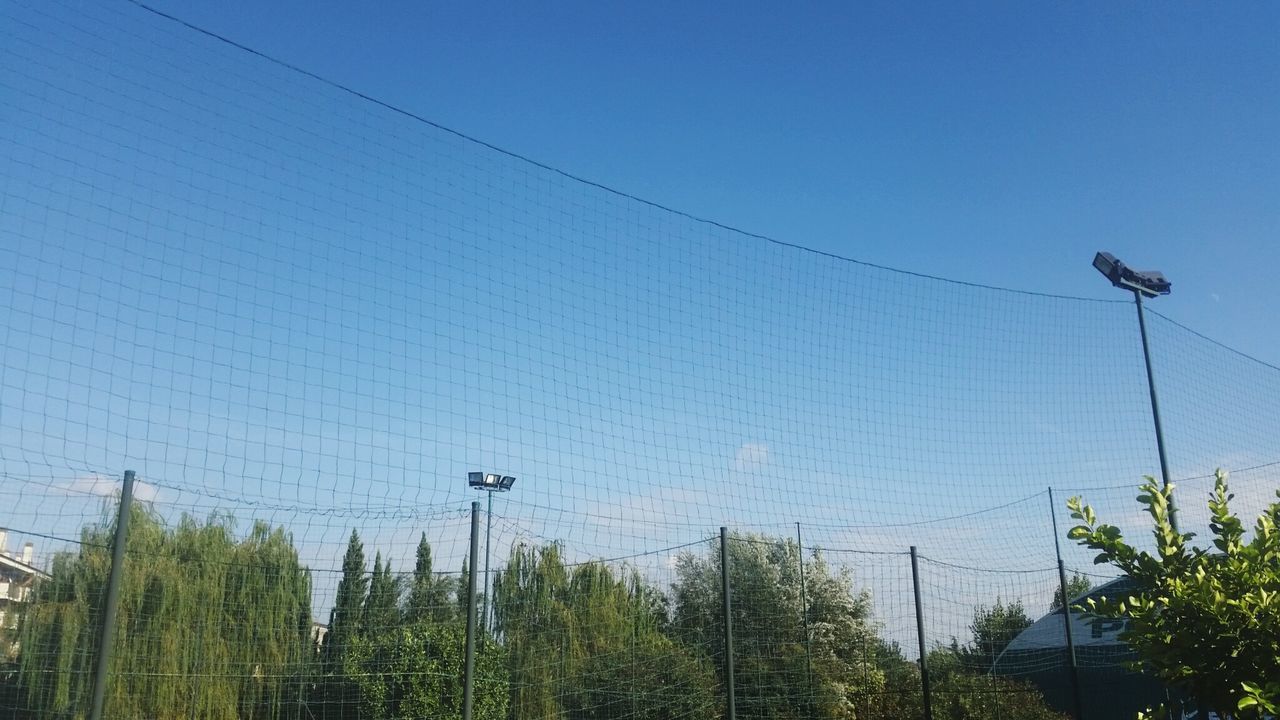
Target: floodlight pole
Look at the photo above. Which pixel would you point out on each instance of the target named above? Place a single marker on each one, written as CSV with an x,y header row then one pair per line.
x,y
1155,405
469,666
1073,667
488,526
106,640
804,615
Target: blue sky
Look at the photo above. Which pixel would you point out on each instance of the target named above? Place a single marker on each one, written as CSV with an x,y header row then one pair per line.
x,y
274,298
1000,143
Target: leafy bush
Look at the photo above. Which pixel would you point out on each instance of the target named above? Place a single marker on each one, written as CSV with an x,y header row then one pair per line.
x,y
1206,623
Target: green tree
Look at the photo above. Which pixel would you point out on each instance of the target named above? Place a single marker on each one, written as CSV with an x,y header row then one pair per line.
x,y
993,629
586,644
382,606
965,689
964,696
416,671
1207,623
345,619
780,672
337,697
428,595
1077,585
208,625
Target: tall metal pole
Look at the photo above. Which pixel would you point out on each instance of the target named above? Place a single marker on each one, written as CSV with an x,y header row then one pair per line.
x,y
488,525
1155,405
1073,667
804,614
468,677
924,663
728,624
107,637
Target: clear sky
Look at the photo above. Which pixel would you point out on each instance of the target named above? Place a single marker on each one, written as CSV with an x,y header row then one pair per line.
x,y
999,143
276,299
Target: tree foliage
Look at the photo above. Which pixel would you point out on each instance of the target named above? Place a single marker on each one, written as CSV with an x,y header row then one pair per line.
x,y
208,625
428,596
993,629
965,689
585,643
790,675
336,697
416,670
1077,585
1207,623
382,605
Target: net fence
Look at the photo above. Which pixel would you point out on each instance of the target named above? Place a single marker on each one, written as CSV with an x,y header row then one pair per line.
x,y
303,316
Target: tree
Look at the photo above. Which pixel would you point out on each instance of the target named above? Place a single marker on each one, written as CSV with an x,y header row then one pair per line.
x,y
1077,585
209,625
415,671
428,595
782,673
586,643
337,695
346,619
1206,623
382,606
993,629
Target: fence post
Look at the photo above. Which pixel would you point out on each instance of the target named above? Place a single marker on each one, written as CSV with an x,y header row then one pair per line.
x,y
804,615
468,677
728,623
1073,668
107,637
924,663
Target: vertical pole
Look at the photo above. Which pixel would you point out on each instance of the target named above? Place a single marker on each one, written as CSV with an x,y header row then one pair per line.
x,y
1155,406
728,624
488,525
804,616
924,663
1072,667
107,637
468,677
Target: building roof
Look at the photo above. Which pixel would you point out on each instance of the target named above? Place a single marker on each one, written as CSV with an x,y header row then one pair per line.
x,y
16,564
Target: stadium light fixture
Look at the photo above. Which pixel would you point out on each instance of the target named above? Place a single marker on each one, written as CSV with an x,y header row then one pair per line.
x,y
491,483
1148,283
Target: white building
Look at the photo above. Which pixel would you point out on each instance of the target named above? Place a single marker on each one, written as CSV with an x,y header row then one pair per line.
x,y
18,574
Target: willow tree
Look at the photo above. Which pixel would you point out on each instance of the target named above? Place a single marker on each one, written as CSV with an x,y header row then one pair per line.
x,y
585,643
208,625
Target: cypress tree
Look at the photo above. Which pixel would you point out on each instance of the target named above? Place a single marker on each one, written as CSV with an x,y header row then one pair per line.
x,y
338,697
381,610
345,618
428,596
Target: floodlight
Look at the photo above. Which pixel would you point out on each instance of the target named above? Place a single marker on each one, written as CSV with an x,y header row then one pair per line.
x,y
1147,282
490,483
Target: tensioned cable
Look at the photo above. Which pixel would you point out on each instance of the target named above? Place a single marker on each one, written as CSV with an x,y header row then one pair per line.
x,y
577,178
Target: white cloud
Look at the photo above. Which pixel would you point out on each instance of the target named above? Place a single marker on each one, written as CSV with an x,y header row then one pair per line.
x,y
107,486
750,456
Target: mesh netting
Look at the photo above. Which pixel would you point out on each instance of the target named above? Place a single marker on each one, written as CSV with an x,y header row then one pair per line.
x,y
303,317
